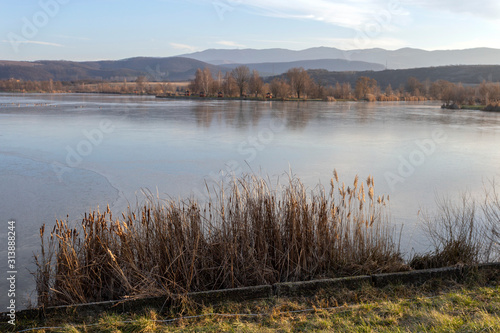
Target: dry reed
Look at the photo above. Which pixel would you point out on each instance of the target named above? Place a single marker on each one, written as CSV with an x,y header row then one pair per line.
x,y
248,233
462,232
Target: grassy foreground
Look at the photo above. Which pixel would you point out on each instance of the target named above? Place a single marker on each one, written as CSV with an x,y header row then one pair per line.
x,y
434,307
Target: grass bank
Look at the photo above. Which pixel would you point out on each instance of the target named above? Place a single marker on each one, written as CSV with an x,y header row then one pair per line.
x,y
437,306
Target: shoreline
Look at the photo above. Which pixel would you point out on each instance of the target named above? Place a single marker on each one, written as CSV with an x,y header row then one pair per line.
x,y
248,98
477,107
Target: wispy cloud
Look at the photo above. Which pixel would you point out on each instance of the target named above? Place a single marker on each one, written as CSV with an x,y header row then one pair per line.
x,y
344,13
489,9
356,13
185,47
32,42
229,43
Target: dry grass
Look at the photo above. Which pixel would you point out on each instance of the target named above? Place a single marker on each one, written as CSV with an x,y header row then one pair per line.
x,y
437,306
454,232
462,232
248,233
390,98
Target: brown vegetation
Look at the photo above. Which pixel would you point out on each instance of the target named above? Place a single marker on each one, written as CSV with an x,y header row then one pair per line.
x,y
462,232
296,83
139,86
248,233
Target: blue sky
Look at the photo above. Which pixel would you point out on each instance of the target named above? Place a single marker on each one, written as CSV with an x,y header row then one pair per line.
x,y
116,29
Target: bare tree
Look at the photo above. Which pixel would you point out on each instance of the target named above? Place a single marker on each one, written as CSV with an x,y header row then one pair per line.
x,y
229,85
206,80
388,90
140,83
365,86
443,90
317,90
414,86
217,83
241,76
202,81
280,88
274,87
459,94
346,90
256,84
195,85
299,80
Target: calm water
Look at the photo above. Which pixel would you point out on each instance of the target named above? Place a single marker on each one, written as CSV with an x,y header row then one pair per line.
x,y
66,154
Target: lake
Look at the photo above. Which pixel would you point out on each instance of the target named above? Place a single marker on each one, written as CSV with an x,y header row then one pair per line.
x,y
63,155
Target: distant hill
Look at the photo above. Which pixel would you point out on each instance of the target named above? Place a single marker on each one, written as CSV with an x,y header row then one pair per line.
x,y
452,65
464,74
155,69
339,65
399,59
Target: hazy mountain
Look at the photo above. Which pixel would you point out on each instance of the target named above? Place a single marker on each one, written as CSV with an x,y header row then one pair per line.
x,y
398,59
155,69
339,65
464,74
249,56
267,62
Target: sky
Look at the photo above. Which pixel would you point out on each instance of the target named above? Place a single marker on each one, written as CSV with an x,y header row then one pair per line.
x,y
81,30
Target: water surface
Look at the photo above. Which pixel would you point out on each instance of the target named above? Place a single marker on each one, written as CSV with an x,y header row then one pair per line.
x,y
66,154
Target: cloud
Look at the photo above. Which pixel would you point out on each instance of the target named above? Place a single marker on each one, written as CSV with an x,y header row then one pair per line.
x,y
229,43
178,46
355,14
489,9
32,42
345,13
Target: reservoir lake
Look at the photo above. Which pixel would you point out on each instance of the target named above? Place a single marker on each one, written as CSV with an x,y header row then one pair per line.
x,y
66,154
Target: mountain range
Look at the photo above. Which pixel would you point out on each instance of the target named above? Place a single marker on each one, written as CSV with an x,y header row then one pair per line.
x,y
398,59
267,62
155,69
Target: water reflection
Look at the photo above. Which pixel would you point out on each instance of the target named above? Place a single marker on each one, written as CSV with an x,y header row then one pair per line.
x,y
244,114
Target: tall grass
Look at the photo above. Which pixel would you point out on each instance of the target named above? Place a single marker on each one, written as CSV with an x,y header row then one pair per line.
x,y
462,232
454,232
248,233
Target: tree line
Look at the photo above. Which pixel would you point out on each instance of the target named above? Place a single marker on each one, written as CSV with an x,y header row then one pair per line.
x,y
138,86
241,82
296,83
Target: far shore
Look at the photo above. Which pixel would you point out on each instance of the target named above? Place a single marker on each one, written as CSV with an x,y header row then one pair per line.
x,y
493,107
